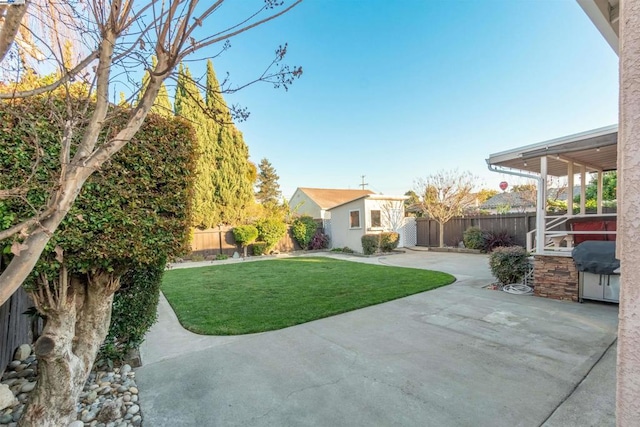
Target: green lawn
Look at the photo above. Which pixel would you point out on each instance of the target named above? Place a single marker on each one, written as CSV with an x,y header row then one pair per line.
x,y
249,297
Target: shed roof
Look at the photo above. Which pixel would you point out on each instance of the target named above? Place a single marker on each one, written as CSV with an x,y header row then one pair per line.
x,y
329,197
375,197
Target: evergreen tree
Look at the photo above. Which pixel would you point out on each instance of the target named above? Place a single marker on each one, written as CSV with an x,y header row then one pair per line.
x,y
190,105
268,187
161,105
234,174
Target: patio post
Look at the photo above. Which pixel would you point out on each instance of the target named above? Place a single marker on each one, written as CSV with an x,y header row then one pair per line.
x,y
628,240
583,189
570,184
541,223
599,196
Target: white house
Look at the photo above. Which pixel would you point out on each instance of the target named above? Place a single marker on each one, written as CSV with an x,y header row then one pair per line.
x,y
315,202
367,214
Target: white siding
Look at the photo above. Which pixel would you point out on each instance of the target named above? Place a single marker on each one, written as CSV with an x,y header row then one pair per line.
x,y
303,205
341,234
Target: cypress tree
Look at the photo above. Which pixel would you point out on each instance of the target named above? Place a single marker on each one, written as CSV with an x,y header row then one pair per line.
x,y
234,174
268,188
190,105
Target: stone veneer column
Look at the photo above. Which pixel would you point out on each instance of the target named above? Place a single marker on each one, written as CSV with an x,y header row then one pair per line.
x,y
628,368
555,277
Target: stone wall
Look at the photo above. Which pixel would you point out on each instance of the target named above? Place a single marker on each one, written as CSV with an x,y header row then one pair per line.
x,y
555,277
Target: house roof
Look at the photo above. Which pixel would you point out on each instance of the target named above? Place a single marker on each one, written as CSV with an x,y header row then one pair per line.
x,y
513,199
329,197
561,193
374,197
517,199
595,149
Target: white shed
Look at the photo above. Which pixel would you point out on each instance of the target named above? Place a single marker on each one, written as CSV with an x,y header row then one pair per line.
x,y
367,214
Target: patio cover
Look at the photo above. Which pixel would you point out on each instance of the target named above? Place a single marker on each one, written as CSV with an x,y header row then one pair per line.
x,y
595,149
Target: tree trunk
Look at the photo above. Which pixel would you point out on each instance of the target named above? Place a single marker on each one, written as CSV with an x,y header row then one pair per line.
x,y
441,228
78,313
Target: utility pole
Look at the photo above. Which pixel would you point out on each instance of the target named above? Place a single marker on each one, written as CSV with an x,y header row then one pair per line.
x,y
363,183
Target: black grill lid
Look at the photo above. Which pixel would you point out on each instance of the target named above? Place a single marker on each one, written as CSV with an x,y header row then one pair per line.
x,y
598,257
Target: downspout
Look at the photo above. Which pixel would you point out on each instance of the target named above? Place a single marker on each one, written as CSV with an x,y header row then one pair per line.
x,y
540,219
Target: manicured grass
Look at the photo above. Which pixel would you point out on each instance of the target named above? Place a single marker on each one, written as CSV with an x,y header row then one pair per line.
x,y
262,296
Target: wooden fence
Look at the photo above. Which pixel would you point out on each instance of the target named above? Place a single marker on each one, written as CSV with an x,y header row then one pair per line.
x,y
517,225
15,327
216,241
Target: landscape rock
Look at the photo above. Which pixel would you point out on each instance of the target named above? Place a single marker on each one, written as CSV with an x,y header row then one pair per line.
x,y
118,388
22,352
6,397
110,411
27,387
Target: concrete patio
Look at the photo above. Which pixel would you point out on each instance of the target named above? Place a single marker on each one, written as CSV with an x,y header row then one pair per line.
x,y
460,355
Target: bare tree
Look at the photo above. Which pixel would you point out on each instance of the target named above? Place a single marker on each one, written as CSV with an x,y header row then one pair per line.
x,y
114,38
444,195
392,212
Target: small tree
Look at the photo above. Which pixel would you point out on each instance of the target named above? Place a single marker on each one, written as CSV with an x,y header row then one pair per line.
x,y
245,235
411,203
445,194
268,188
270,231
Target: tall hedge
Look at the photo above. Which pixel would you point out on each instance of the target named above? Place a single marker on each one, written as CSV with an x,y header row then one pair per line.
x,y
303,229
134,310
132,213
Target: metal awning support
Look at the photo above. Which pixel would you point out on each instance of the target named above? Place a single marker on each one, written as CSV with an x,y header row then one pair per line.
x,y
541,200
570,189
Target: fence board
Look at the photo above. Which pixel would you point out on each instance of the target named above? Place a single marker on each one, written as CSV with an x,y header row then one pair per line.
x,y
15,327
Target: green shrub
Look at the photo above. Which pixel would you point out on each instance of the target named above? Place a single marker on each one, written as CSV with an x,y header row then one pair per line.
x,y
389,241
270,231
245,235
509,264
222,257
473,238
346,250
370,243
259,248
134,310
303,230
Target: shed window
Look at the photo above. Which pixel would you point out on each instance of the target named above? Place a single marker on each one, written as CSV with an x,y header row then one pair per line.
x,y
354,219
376,220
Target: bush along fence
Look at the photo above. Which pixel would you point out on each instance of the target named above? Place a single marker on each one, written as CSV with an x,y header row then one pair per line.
x,y
214,241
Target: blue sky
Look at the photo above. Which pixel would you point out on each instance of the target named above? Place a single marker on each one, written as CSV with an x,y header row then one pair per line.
x,y
398,90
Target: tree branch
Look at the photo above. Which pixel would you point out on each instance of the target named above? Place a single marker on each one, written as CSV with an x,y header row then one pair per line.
x,y
62,80
11,23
